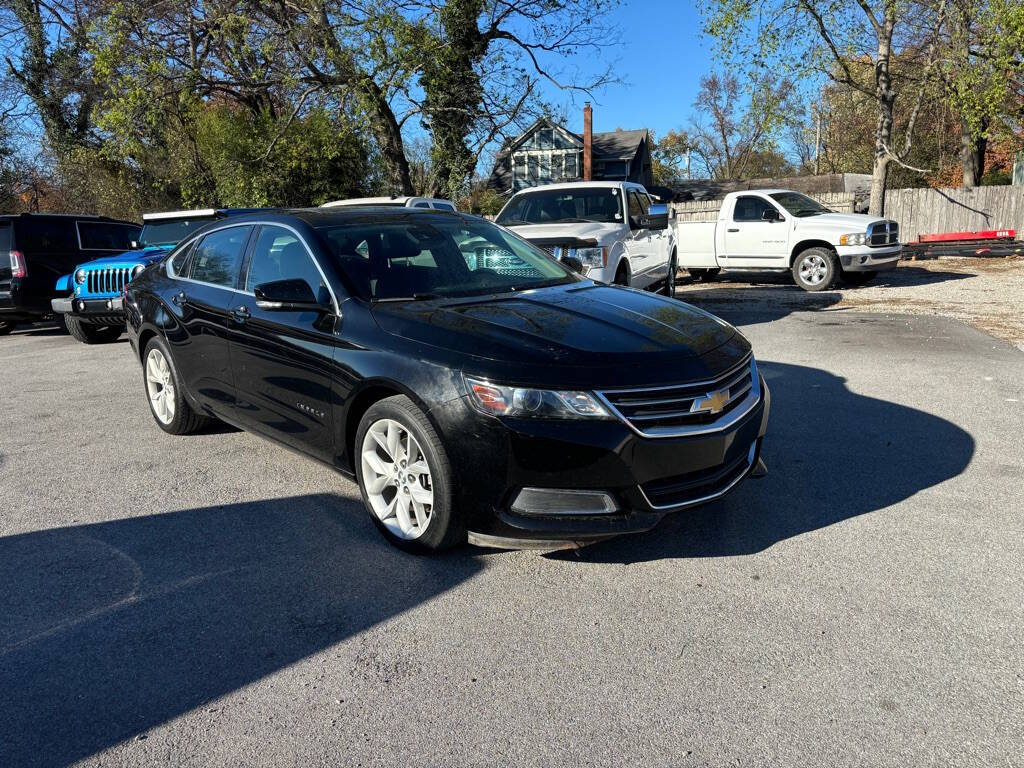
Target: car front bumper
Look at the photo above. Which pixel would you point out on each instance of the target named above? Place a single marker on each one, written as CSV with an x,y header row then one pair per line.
x,y
100,311
646,478
863,259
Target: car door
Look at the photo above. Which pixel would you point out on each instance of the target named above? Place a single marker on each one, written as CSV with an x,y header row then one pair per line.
x,y
281,359
750,239
199,300
640,246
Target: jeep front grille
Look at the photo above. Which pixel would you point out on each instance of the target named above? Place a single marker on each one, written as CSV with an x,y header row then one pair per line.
x,y
688,409
107,281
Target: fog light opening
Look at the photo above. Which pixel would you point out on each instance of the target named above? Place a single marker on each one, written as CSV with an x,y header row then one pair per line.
x,y
562,501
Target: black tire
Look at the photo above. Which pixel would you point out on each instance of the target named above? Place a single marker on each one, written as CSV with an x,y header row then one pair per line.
x,y
704,275
6,326
445,528
670,281
87,333
859,278
185,420
622,275
816,269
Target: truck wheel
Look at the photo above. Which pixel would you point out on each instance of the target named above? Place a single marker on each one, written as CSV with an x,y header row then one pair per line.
x,y
704,275
858,278
6,326
670,281
87,333
816,269
166,396
405,477
622,275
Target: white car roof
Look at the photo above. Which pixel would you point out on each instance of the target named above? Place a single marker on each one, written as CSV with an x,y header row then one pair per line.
x,y
400,200
582,185
178,214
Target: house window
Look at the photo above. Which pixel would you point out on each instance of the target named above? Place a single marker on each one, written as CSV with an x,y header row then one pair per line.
x,y
548,156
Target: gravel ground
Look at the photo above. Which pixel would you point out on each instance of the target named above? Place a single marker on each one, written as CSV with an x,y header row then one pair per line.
x,y
987,293
218,601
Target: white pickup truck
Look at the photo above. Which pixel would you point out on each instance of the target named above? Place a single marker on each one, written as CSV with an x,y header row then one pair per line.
x,y
778,229
614,229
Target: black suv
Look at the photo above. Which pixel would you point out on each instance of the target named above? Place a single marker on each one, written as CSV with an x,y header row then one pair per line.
x,y
36,249
472,384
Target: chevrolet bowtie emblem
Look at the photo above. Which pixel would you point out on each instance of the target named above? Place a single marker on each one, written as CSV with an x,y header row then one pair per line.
x,y
712,402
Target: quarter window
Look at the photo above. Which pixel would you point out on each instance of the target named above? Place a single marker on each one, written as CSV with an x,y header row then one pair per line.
x,y
279,255
750,208
218,256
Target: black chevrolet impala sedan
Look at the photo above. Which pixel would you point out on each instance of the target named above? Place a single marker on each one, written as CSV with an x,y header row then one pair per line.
x,y
473,385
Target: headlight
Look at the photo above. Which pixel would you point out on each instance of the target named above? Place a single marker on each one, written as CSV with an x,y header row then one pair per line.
x,y
137,270
80,276
855,238
591,257
498,400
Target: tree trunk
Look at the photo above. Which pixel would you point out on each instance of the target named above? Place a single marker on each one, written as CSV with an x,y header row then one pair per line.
x,y
883,130
972,154
388,134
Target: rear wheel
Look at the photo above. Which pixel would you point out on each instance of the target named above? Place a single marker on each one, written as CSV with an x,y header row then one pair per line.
x,y
6,326
167,402
858,278
816,269
87,333
405,478
704,275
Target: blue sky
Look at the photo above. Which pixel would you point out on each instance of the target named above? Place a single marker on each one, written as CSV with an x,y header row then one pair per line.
x,y
660,60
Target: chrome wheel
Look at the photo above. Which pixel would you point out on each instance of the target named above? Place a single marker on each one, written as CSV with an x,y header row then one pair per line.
x,y
813,269
160,386
396,478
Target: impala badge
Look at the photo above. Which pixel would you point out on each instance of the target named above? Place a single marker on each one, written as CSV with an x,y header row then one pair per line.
x,y
712,402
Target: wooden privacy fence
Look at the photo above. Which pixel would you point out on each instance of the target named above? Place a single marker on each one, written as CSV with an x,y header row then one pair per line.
x,y
707,210
932,211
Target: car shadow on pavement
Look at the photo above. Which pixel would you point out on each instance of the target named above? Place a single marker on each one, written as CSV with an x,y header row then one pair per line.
x,y
729,303
111,629
831,455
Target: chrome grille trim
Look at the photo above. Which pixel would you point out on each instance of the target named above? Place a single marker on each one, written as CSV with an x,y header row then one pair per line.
x,y
744,377
108,281
883,233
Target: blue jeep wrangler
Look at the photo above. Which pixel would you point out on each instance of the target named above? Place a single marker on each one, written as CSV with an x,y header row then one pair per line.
x,y
93,312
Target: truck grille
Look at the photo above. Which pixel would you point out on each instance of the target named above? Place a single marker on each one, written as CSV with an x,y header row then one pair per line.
x,y
700,486
883,233
107,281
685,409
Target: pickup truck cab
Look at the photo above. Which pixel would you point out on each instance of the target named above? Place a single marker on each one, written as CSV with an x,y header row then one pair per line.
x,y
612,228
93,312
778,229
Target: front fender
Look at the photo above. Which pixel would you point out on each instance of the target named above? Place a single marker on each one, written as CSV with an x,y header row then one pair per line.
x,y
64,283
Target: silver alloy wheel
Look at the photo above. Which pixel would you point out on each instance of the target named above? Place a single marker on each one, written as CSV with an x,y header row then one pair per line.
x,y
160,385
396,478
813,269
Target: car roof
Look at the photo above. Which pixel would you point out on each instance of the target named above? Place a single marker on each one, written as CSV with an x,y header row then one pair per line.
x,y
345,214
390,201
199,213
581,185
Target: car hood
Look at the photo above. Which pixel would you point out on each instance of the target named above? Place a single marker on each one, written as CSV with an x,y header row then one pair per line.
x,y
140,256
621,334
567,231
838,222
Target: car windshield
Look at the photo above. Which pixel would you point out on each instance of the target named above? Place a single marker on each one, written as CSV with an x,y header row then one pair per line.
x,y
601,204
799,205
169,231
425,257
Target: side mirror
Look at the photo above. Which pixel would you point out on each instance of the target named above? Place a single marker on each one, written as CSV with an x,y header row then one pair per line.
x,y
287,296
771,215
572,263
657,217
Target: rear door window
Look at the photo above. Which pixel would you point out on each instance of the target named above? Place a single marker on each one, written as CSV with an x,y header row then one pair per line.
x,y
106,236
218,256
5,237
43,235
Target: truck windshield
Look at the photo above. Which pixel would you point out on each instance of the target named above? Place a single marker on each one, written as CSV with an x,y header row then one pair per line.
x,y
395,259
168,232
600,204
799,205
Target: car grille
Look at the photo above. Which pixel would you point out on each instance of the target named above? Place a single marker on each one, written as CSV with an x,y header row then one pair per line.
x,y
696,408
883,233
105,282
696,487
550,249
504,263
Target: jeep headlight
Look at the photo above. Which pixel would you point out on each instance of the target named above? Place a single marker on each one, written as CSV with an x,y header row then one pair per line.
x,y
854,238
80,276
137,270
499,400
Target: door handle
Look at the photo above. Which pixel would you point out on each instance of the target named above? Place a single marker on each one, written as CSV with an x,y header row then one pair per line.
x,y
180,299
733,229
241,313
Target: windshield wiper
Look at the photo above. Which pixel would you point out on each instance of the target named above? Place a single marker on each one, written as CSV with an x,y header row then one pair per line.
x,y
414,297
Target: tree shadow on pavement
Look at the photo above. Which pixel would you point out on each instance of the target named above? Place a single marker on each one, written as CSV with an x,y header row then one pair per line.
x,y
108,630
831,455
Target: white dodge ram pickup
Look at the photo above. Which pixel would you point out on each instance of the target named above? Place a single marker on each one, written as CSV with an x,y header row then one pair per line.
x,y
778,229
613,228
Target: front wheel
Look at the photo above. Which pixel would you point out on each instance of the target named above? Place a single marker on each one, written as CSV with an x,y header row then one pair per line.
x,y
405,478
670,281
815,269
6,326
87,333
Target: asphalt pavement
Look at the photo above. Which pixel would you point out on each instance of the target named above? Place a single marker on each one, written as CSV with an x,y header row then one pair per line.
x,y
216,600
